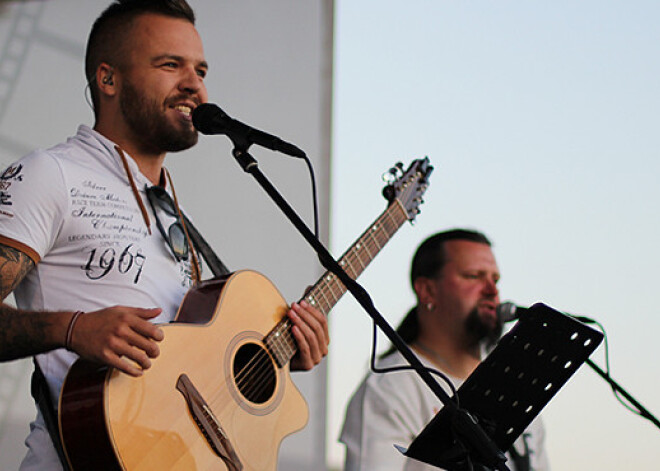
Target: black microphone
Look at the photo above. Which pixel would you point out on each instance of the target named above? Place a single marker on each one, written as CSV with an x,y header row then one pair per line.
x,y
507,312
210,119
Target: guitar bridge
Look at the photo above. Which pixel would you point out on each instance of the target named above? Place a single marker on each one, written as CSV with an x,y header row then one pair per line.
x,y
208,424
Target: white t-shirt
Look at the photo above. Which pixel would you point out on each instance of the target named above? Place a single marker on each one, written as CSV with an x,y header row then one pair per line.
x,y
72,209
393,408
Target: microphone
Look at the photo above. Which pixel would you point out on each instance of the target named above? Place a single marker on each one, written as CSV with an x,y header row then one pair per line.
x,y
210,119
507,312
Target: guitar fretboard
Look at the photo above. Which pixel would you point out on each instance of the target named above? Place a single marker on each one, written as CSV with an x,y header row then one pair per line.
x,y
329,289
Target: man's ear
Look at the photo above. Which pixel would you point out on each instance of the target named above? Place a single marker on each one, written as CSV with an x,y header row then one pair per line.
x,y
425,289
105,79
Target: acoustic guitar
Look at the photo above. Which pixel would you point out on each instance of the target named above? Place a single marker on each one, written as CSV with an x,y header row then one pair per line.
x,y
219,396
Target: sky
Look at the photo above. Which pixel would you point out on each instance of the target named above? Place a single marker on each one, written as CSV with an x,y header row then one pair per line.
x,y
541,120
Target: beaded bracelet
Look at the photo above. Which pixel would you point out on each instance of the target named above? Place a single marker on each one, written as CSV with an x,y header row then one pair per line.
x,y
69,330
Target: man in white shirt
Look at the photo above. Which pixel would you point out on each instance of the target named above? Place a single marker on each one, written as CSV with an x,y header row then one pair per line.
x,y
454,275
89,270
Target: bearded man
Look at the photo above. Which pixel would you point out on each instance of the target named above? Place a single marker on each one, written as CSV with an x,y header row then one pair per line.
x,y
454,275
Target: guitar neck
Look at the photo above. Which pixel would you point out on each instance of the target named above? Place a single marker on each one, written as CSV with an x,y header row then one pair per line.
x,y
329,289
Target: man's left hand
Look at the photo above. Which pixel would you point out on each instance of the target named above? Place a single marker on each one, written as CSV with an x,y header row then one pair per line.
x,y
310,329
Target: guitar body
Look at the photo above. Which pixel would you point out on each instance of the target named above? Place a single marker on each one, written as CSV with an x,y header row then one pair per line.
x,y
110,420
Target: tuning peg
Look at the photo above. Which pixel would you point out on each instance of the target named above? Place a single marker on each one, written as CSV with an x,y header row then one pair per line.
x,y
393,173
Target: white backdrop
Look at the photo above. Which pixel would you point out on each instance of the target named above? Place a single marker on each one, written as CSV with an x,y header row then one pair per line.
x,y
270,66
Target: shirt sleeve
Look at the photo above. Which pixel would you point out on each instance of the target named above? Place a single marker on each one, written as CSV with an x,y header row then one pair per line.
x,y
33,201
382,413
538,454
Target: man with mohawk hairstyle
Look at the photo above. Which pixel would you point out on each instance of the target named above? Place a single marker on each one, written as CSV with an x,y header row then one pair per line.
x,y
90,271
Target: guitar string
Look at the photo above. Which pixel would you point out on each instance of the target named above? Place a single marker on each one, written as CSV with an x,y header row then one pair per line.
x,y
260,381
256,383
260,364
327,285
263,361
259,367
260,378
259,372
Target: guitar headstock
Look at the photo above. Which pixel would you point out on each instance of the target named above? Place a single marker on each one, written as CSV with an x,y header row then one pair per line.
x,y
408,186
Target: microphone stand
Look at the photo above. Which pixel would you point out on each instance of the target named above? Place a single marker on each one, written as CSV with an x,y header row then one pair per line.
x,y
465,426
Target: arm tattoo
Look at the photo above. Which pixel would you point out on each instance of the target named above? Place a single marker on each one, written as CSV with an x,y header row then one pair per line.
x,y
21,334
14,265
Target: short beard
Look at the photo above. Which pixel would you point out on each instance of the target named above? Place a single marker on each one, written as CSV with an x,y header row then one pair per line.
x,y
481,331
155,134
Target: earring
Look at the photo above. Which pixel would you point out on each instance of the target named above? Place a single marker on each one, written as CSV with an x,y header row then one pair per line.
x,y
430,306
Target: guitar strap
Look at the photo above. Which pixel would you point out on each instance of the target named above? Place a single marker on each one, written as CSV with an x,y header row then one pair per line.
x,y
41,396
212,260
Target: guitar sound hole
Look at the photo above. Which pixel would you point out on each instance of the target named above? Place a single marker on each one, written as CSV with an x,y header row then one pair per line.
x,y
254,373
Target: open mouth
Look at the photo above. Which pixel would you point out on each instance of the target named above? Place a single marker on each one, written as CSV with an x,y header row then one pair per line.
x,y
184,110
488,307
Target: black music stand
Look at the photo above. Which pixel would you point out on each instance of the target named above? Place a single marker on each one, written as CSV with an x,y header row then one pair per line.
x,y
511,386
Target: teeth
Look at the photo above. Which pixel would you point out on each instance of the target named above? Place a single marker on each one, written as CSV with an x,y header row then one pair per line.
x,y
183,109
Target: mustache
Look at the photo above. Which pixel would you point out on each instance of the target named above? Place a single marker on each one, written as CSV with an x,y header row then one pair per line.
x,y
171,101
482,330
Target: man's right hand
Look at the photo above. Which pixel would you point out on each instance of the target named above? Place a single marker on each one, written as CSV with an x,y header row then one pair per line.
x,y
119,336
